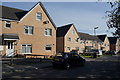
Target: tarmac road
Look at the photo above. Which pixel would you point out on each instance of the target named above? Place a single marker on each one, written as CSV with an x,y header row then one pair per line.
x,y
102,67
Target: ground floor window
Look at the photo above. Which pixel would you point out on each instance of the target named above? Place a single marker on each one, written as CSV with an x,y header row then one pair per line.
x,y
77,48
48,47
26,48
68,48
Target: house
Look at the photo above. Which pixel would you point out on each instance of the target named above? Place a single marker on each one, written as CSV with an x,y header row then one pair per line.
x,y
67,38
27,32
105,42
88,42
118,45
114,44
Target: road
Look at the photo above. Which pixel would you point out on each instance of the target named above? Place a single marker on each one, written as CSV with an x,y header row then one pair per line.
x,y
102,67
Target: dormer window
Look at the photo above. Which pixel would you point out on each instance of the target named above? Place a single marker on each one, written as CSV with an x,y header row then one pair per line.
x,y
7,24
38,16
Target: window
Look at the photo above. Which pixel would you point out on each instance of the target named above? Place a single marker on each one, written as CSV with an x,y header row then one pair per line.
x,y
76,40
68,48
73,31
27,48
104,44
7,24
38,16
77,48
28,29
81,42
68,39
48,47
48,32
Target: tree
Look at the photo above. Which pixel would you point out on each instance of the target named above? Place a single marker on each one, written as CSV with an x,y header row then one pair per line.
x,y
114,17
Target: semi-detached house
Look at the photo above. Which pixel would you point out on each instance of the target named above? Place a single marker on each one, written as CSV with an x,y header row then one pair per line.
x,y
27,32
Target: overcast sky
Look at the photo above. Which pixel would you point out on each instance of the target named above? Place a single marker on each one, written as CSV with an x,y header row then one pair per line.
x,y
84,15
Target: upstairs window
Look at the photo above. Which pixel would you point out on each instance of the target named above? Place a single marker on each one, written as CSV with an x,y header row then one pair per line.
x,y
8,24
76,40
68,39
48,32
38,16
73,32
28,29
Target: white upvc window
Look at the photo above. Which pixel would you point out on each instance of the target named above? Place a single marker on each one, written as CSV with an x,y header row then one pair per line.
x,y
68,39
68,48
48,47
48,32
38,16
77,48
82,41
73,31
76,39
26,48
8,24
28,29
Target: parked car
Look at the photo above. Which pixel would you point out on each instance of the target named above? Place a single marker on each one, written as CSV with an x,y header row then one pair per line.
x,y
94,52
97,51
67,60
110,53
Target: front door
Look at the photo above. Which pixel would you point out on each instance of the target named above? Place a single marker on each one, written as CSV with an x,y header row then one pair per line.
x,y
9,49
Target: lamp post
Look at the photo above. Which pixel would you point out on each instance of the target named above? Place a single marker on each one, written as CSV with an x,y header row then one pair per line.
x,y
95,35
95,30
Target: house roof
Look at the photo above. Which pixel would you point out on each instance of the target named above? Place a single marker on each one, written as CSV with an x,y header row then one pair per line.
x,y
61,31
102,37
18,14
112,40
85,36
12,13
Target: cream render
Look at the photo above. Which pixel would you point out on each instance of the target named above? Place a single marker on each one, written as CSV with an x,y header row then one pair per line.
x,y
38,39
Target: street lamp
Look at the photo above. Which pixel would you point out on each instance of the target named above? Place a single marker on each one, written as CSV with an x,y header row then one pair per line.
x,y
95,35
95,30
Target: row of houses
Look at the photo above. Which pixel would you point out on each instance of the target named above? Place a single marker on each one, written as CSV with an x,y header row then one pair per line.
x,y
34,32
68,39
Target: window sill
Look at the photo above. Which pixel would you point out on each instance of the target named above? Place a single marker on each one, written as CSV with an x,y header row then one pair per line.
x,y
48,50
26,53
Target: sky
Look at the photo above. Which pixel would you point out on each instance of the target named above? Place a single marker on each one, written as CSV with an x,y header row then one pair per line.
x,y
84,15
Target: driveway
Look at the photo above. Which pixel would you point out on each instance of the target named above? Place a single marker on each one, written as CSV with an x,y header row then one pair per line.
x,y
102,67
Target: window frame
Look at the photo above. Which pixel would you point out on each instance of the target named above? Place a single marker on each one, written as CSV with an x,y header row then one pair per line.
x,y
7,22
76,40
68,48
73,32
48,45
30,30
46,30
26,49
40,15
77,48
68,39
